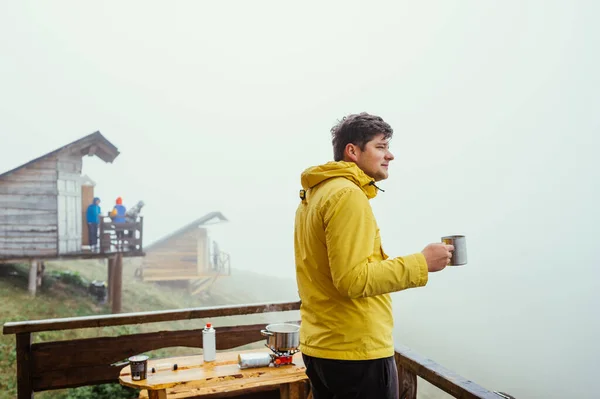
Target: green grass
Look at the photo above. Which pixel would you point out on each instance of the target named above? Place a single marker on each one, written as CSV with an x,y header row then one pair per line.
x,y
64,294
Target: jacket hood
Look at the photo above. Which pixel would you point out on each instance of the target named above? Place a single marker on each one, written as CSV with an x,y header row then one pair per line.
x,y
317,174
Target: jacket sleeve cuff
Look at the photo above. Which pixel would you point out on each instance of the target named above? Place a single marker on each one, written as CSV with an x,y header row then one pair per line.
x,y
423,272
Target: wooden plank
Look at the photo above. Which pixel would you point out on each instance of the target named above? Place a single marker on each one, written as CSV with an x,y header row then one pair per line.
x,y
223,375
33,235
33,240
160,394
75,377
25,212
249,392
170,278
117,288
24,228
69,166
35,202
407,380
32,175
32,277
14,255
107,350
168,271
294,390
26,188
90,359
44,164
25,246
43,219
63,175
446,380
146,317
110,280
24,382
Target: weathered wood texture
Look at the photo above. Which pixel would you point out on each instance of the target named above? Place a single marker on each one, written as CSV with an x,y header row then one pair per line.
x,y
146,317
173,259
407,380
446,380
24,377
69,204
90,359
28,209
117,281
195,378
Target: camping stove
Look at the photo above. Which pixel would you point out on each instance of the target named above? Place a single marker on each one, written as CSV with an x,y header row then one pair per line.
x,y
282,358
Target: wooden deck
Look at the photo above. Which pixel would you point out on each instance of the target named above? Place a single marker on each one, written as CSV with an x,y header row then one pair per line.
x,y
41,366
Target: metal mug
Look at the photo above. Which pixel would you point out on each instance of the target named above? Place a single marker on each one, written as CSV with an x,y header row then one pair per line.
x,y
139,367
459,255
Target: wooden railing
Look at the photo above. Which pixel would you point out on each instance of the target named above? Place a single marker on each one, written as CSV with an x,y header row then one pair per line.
x,y
121,237
72,363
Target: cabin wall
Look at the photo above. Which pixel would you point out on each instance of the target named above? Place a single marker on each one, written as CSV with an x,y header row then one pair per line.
x,y
28,210
173,258
203,251
69,203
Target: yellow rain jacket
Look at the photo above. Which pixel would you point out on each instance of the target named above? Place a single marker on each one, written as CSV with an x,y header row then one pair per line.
x,y
344,277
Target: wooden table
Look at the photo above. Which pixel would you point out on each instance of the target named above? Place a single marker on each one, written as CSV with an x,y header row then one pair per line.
x,y
221,378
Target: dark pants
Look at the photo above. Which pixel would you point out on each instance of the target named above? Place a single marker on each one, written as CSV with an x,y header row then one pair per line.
x,y
93,233
352,379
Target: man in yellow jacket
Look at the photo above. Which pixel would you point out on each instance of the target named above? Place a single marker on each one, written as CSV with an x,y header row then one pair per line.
x,y
344,277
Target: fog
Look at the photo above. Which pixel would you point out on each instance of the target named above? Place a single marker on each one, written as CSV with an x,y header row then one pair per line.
x,y
220,106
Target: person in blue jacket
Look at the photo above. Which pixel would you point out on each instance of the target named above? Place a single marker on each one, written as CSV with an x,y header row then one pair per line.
x,y
118,216
93,219
118,213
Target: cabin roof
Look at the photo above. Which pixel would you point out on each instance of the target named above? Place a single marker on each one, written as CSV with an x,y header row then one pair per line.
x,y
92,144
188,227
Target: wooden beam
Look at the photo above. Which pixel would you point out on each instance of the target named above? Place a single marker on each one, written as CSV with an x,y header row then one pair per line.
x,y
40,273
446,380
90,360
407,380
88,352
110,268
24,383
32,277
146,317
117,283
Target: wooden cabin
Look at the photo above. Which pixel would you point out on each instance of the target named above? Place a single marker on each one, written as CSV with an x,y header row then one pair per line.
x,y
43,202
187,255
43,206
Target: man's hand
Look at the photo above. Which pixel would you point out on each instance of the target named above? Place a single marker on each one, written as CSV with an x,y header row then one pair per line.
x,y
437,256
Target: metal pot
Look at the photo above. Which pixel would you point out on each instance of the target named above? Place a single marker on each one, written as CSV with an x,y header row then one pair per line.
x,y
282,337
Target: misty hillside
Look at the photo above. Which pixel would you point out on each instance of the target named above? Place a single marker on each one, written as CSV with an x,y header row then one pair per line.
x,y
246,286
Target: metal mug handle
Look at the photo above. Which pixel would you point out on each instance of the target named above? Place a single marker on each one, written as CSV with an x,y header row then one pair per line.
x,y
266,333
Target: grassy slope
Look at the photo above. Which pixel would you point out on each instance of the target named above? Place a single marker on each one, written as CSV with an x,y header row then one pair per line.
x,y
58,299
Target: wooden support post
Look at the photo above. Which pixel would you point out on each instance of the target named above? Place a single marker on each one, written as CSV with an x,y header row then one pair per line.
x,y
294,390
407,381
118,283
24,383
141,227
160,394
110,281
41,267
32,276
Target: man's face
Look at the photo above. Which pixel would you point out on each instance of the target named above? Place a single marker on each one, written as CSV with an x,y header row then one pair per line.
x,y
374,160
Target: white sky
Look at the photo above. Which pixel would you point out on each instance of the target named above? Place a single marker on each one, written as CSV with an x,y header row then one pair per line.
x,y
221,105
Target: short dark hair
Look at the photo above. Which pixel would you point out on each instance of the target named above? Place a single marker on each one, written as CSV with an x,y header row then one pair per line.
x,y
357,129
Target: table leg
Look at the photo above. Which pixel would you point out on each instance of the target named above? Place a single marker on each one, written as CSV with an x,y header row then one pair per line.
x,y
294,390
160,394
